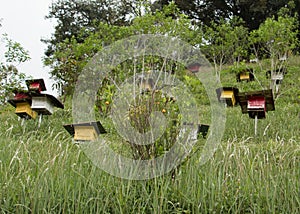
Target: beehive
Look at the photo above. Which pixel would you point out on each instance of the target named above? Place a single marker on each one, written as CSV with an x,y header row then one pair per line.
x,y
44,104
85,131
276,74
194,67
229,97
24,110
256,103
246,75
277,78
202,129
21,95
228,94
36,85
145,84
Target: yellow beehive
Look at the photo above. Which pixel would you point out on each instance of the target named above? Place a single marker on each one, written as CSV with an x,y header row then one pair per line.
x,y
23,109
228,96
85,133
244,76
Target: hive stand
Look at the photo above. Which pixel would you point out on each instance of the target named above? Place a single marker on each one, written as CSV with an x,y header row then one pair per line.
x,y
256,104
228,94
246,75
254,60
83,132
22,102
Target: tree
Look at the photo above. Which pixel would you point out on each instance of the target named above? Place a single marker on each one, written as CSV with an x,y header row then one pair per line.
x,y
74,15
276,37
71,55
225,42
207,11
10,78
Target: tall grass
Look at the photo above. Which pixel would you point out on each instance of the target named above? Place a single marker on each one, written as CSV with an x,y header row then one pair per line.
x,y
243,177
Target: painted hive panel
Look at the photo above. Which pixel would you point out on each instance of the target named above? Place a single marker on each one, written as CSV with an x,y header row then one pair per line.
x,y
85,133
24,110
256,103
42,105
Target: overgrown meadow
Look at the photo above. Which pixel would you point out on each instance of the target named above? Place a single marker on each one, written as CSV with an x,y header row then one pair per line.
x,y
43,171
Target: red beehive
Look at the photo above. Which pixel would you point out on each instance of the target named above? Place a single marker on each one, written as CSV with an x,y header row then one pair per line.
x,y
19,95
194,67
256,103
22,102
36,85
257,106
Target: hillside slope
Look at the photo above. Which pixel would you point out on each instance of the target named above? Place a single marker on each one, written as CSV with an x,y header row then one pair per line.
x,y
41,170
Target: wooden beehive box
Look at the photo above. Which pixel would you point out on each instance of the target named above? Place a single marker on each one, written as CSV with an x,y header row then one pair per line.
x,y
85,131
20,95
278,74
194,67
246,75
146,84
44,104
36,85
24,110
22,103
228,94
202,129
277,78
256,103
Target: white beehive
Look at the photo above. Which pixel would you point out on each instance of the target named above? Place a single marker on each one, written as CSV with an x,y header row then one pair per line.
x,y
44,104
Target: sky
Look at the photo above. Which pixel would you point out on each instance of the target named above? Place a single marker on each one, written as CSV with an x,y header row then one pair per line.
x,y
24,22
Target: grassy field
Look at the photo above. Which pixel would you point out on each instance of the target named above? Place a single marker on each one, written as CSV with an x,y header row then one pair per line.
x,y
42,171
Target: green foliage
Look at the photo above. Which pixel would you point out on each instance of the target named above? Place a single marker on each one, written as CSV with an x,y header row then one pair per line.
x,y
74,15
71,56
14,52
139,114
276,38
10,78
169,21
225,42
